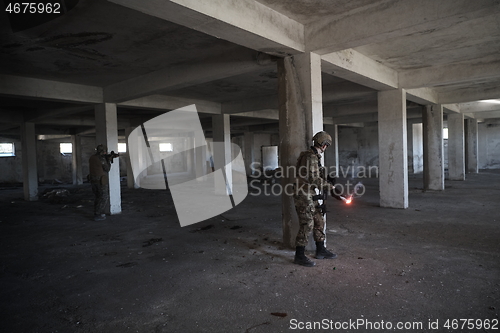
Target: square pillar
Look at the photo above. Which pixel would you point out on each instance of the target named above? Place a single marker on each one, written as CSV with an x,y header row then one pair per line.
x,y
332,153
30,173
222,152
417,148
393,156
249,152
456,146
106,124
471,146
200,156
432,117
76,160
300,117
130,174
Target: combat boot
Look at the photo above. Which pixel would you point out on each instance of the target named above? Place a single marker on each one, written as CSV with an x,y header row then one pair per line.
x,y
301,259
322,252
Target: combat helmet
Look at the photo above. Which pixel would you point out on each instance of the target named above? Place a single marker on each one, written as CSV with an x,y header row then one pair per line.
x,y
101,149
322,138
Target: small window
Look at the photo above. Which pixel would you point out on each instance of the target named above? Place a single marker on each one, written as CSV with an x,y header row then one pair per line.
x,y
122,147
7,149
166,147
445,133
66,148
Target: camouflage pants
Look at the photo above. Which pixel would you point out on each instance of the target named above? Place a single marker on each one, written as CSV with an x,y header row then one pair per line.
x,y
310,219
101,198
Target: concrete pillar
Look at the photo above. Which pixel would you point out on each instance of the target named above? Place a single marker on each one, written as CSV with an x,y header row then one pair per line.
x,y
300,117
471,144
417,148
332,153
76,165
222,152
456,146
130,174
249,152
30,173
107,133
393,157
432,117
200,156
409,145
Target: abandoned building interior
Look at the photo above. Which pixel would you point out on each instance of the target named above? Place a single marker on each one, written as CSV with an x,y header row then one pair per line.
x,y
408,90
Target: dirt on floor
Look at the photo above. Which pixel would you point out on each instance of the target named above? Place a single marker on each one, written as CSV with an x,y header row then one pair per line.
x,y
434,267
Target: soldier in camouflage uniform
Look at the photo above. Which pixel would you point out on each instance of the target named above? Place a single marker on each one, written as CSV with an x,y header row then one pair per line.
x,y
311,176
99,166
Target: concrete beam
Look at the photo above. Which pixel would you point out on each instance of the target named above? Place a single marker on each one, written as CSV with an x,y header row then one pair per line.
x,y
167,103
424,96
35,116
359,118
229,64
264,114
356,67
11,85
11,117
464,95
344,91
347,91
452,108
449,74
353,109
244,22
251,104
479,107
335,110
383,20
484,115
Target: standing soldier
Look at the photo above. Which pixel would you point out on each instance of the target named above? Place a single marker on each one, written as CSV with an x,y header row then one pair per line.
x,y
99,165
311,176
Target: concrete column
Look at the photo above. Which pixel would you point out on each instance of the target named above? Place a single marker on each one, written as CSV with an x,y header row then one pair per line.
x,y
222,153
393,157
300,117
76,165
471,144
332,153
417,148
409,145
456,146
432,117
107,134
249,151
30,173
130,174
200,156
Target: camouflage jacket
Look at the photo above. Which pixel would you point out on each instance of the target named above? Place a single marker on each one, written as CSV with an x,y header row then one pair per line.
x,y
99,167
309,172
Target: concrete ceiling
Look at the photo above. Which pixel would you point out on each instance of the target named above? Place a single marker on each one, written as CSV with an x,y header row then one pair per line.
x,y
153,55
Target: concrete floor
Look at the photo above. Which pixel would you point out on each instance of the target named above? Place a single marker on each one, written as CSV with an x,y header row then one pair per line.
x,y
141,272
